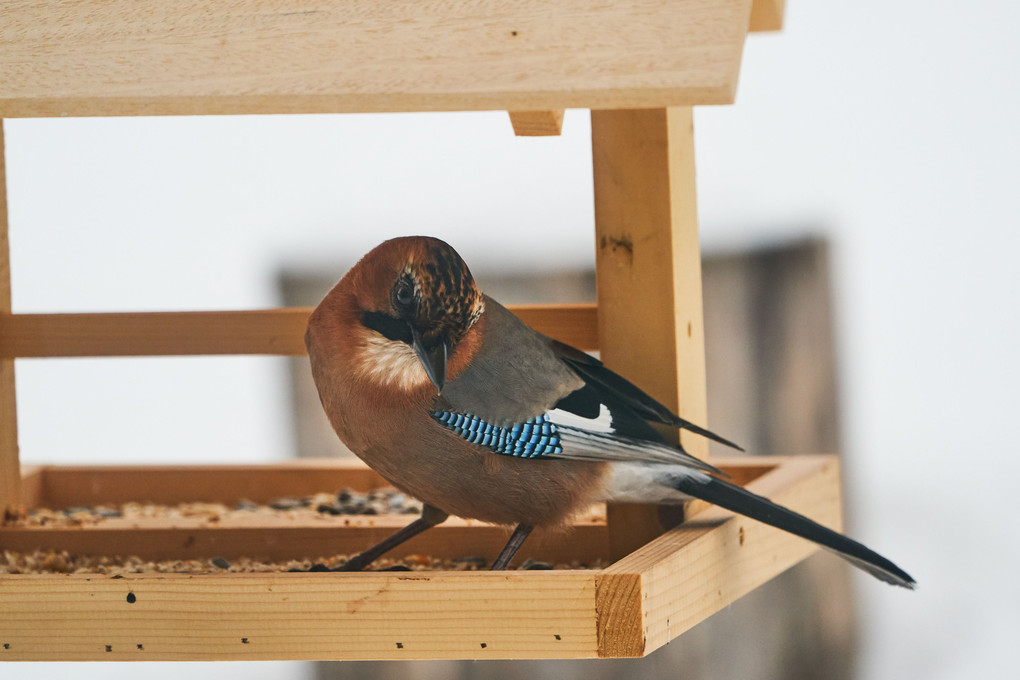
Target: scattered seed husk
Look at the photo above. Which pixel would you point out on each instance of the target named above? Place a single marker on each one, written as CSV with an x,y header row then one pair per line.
x,y
63,562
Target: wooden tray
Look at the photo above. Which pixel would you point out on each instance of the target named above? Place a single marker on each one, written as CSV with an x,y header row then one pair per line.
x,y
628,609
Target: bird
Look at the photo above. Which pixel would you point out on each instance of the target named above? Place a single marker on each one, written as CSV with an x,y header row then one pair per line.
x,y
457,402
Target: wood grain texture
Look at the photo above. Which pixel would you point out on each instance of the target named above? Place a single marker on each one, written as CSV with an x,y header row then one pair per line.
x,y
299,616
11,501
149,57
767,15
648,257
267,331
618,604
537,123
627,609
648,269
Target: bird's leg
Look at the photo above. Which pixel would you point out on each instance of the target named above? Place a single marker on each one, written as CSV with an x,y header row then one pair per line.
x,y
430,517
512,546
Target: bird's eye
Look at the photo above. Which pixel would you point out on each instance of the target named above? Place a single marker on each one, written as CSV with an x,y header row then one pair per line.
x,y
403,295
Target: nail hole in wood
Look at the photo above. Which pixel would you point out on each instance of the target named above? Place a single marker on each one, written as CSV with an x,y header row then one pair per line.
x,y
244,641
7,645
400,645
484,645
140,646
131,598
558,637
109,648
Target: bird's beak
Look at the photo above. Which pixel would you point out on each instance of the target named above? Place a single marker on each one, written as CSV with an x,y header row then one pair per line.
x,y
432,360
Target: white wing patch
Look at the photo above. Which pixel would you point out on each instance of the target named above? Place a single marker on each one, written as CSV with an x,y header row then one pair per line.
x,y
601,423
392,363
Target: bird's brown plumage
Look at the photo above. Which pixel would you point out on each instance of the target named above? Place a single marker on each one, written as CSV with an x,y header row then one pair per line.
x,y
385,418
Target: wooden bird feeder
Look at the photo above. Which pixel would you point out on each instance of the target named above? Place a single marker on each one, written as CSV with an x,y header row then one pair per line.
x,y
639,65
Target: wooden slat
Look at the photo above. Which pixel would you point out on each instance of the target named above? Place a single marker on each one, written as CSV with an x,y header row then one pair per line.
x,y
89,485
767,15
716,557
648,267
150,57
418,615
537,123
10,472
282,538
575,324
268,331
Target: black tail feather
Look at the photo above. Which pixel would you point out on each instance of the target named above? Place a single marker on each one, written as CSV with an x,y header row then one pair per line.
x,y
740,500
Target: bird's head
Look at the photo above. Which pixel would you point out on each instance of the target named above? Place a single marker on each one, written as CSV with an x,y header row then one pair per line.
x,y
408,305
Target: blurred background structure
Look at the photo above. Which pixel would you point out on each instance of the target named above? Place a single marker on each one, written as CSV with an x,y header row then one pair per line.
x,y
888,129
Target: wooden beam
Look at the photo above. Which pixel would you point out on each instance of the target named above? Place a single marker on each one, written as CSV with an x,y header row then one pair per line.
x,y
648,269
419,615
537,123
11,501
767,15
149,57
89,485
268,331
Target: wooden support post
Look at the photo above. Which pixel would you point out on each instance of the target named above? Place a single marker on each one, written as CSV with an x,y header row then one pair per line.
x,y
10,468
648,268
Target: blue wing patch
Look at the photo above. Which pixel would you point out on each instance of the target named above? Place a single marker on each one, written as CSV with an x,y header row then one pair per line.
x,y
536,438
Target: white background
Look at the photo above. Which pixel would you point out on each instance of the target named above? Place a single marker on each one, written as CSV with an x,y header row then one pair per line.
x,y
889,127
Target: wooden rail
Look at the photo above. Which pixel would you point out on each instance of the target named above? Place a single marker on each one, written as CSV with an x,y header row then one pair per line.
x,y
268,331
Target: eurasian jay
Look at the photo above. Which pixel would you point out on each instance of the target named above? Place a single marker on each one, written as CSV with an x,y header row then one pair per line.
x,y
455,401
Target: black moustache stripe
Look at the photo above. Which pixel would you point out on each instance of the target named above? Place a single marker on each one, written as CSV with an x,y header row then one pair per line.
x,y
388,326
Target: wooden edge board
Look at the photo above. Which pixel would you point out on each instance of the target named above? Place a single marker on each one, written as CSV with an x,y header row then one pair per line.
x,y
627,609
266,331
91,58
397,615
